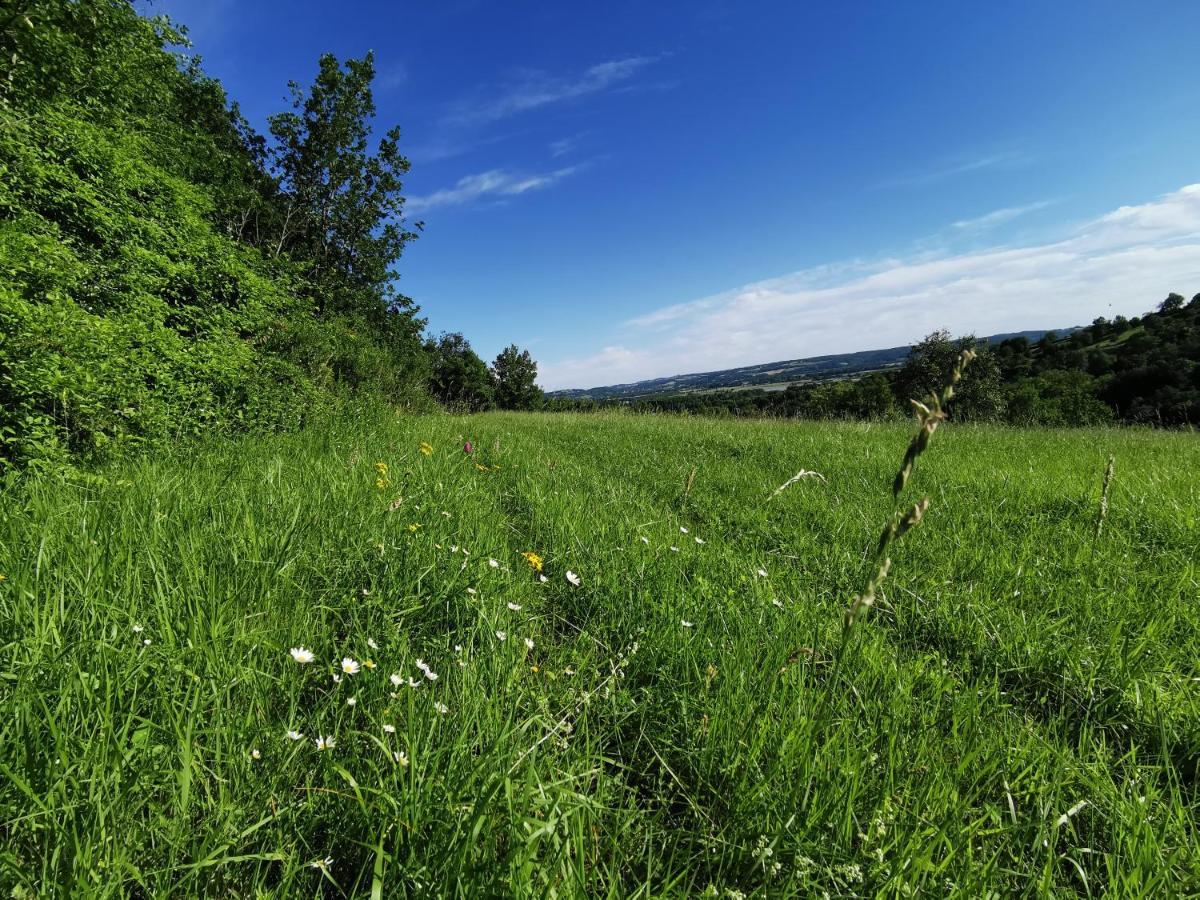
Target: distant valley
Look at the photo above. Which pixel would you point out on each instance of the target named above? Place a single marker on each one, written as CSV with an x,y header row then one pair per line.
x,y
772,376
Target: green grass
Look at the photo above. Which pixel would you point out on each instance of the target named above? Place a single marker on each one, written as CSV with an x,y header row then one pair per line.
x,y
1016,668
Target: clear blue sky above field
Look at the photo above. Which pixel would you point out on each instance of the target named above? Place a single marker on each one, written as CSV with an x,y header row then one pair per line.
x,y
638,189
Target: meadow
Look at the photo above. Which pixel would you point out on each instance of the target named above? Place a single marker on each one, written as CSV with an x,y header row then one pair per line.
x,y
670,707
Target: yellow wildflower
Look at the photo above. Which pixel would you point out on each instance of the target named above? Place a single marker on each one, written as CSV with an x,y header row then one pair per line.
x,y
481,468
533,559
383,481
413,527
426,448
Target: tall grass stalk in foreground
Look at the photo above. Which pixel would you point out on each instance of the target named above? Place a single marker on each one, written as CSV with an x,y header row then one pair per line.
x,y
1103,512
929,416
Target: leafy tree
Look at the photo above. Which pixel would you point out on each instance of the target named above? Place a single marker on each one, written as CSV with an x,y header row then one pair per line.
x,y
1173,302
977,396
458,377
514,374
343,207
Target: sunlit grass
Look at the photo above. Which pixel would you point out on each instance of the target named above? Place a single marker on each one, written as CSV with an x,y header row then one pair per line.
x,y
1021,714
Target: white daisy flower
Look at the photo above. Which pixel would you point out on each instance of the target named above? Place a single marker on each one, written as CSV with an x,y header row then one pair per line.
x,y
138,629
674,549
454,549
699,540
685,623
414,683
502,636
396,679
146,642
762,573
294,735
400,757
778,603
472,591
302,655
389,729
542,578
573,578
682,530
528,643
256,753
321,864
371,643
644,539
337,679
494,563
352,701
515,607
442,708
429,673
349,666
324,743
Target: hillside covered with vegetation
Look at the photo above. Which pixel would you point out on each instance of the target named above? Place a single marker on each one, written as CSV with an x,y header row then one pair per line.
x,y
165,271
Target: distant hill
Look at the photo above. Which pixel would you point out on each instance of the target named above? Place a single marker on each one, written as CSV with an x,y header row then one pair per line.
x,y
769,376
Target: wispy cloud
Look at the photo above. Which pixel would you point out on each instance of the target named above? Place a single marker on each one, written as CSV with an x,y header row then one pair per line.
x,y
533,89
495,183
956,167
563,146
1000,216
1119,263
391,76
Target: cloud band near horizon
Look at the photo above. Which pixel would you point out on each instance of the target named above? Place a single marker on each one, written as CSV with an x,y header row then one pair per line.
x,y
1116,264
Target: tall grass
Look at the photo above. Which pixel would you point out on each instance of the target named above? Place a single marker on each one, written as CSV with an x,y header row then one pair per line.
x,y
1024,722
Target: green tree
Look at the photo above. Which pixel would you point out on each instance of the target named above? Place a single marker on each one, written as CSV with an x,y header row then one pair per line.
x,y
1173,302
514,374
977,396
343,211
458,377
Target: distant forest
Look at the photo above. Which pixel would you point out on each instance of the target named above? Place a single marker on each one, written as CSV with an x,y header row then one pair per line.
x,y
1144,370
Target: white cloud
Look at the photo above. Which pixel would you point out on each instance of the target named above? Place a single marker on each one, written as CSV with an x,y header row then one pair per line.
x,y
563,146
495,182
534,89
1000,216
1120,263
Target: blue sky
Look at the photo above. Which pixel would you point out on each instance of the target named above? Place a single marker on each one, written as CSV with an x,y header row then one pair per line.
x,y
636,189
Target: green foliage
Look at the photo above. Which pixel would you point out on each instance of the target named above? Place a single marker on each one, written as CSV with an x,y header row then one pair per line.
x,y
1020,718
343,206
459,378
155,279
978,395
514,374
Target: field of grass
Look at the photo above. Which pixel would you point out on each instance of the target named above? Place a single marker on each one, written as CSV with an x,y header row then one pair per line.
x,y
1019,716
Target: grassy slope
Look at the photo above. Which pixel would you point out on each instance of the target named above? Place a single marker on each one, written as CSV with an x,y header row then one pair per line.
x,y
1022,669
